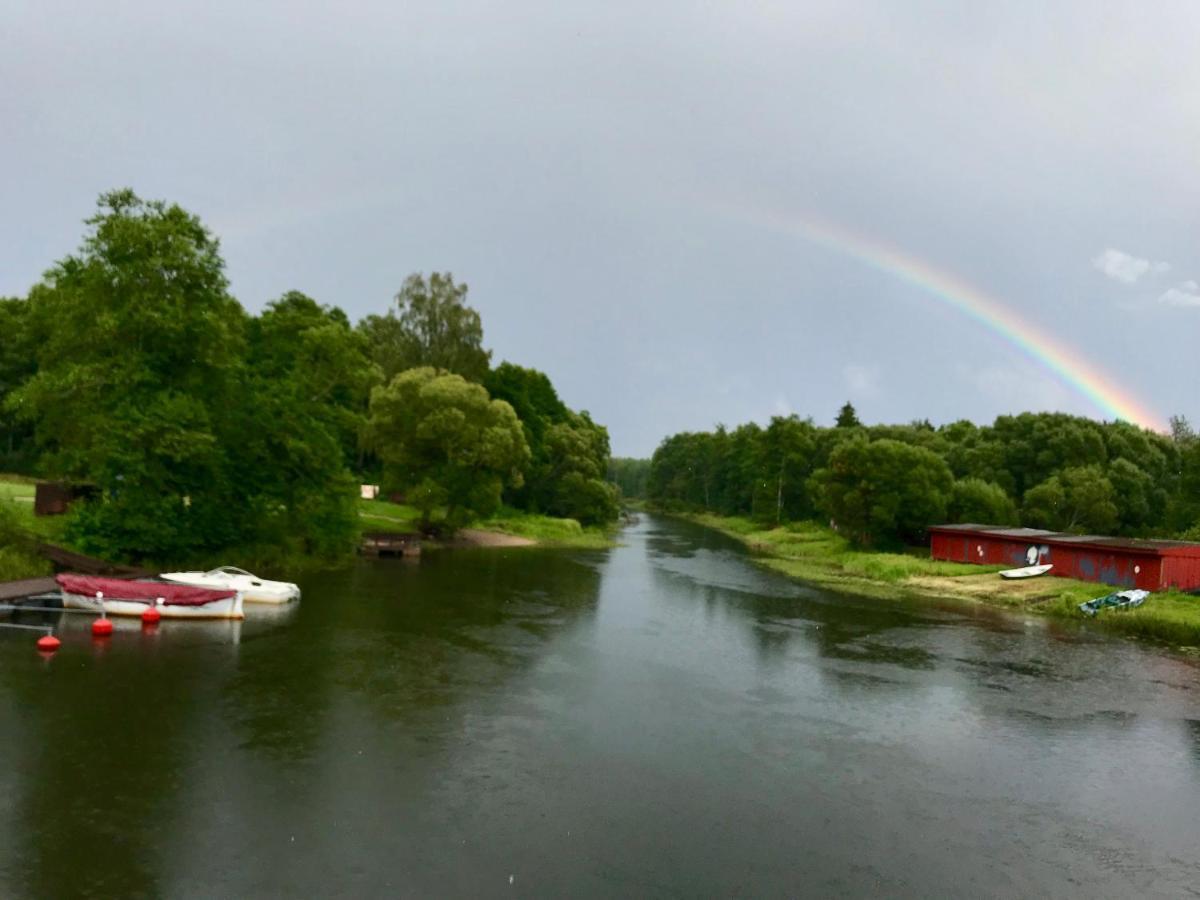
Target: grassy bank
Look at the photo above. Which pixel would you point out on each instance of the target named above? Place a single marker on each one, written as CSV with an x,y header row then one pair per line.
x,y
818,555
16,515
544,531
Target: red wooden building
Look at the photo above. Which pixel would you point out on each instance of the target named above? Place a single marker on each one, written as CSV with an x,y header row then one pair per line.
x,y
1150,565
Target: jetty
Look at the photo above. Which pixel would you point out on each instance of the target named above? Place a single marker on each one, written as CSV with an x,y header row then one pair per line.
x,y
387,543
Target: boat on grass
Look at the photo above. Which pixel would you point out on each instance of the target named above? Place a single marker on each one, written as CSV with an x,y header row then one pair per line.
x,y
252,588
1027,571
1115,600
132,597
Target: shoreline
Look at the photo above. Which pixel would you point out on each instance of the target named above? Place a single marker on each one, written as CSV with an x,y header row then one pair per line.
x,y
815,555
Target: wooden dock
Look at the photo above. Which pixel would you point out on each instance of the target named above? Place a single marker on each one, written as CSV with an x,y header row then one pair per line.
x,y
384,543
26,587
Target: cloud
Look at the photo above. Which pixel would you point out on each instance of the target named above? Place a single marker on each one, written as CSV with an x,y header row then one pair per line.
x,y
1186,293
1126,268
862,380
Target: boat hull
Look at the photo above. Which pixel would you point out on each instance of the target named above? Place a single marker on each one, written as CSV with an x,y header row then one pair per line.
x,y
1026,572
270,592
227,608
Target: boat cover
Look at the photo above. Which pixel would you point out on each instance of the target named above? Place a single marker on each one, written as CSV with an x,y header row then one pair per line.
x,y
141,591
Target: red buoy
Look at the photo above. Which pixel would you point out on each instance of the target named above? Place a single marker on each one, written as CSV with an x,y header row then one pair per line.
x,y
48,642
102,627
151,616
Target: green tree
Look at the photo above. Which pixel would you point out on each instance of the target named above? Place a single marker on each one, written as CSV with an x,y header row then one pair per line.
x,y
572,476
981,502
847,417
310,352
435,327
17,365
138,346
446,444
884,491
630,475
1080,498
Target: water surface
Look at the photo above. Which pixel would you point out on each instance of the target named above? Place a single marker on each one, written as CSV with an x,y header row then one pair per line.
x,y
662,719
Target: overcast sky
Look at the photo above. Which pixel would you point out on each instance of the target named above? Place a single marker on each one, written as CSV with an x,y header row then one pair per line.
x,y
595,173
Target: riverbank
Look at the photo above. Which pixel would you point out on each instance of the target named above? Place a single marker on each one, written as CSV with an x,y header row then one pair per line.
x,y
816,554
508,528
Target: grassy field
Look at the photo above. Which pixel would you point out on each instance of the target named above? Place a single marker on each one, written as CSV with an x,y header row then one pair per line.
x,y
816,554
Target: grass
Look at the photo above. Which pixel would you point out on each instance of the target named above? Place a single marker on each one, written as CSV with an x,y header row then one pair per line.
x,y
391,518
816,554
548,531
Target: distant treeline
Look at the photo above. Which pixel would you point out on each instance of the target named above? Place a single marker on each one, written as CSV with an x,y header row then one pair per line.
x,y
885,484
130,366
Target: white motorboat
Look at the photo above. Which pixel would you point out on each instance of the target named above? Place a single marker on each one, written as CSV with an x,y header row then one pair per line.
x,y
132,597
1027,571
252,588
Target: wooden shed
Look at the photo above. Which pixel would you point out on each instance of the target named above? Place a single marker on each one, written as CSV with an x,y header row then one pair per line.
x,y
1150,565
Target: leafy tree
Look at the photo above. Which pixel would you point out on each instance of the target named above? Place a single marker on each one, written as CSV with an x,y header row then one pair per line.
x,y
447,444
1080,499
884,491
569,453
630,476
310,352
138,347
17,365
847,417
435,327
787,451
981,502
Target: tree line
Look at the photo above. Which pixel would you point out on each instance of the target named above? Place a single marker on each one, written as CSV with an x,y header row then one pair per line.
x,y
886,484
130,366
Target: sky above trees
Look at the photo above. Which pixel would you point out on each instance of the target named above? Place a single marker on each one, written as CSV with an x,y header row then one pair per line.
x,y
599,177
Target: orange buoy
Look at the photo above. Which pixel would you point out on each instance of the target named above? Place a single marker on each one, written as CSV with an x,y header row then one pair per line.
x,y
48,642
151,616
102,627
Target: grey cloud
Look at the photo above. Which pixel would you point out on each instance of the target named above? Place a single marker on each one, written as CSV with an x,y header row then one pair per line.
x,y
582,168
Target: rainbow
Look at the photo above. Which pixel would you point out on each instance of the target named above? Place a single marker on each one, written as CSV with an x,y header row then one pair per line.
x,y
1111,400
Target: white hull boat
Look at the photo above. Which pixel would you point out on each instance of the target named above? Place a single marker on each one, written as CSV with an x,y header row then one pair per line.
x,y
1027,571
120,597
253,589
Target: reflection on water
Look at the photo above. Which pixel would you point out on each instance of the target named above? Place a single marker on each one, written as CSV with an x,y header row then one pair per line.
x,y
663,718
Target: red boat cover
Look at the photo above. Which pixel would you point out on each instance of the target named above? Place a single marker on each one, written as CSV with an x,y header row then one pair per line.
x,y
140,591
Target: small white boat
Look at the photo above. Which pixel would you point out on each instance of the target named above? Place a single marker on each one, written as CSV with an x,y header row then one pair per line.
x,y
1027,571
253,588
132,597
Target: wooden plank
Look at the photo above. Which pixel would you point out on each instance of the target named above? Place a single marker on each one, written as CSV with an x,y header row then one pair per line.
x,y
26,587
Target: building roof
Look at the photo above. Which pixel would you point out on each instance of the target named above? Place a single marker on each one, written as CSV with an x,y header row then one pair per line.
x,y
1182,548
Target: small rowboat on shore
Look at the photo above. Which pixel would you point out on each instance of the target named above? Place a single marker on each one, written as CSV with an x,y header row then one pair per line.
x,y
1116,600
1027,571
132,597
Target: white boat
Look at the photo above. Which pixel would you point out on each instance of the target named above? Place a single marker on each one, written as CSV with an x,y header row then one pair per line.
x,y
132,597
1027,571
253,588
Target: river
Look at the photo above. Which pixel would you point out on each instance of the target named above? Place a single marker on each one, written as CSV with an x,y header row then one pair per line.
x,y
663,719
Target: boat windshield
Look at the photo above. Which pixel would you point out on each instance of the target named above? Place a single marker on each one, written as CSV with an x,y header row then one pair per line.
x,y
229,570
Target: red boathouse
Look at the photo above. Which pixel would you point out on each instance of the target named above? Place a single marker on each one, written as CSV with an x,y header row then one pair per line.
x,y
1150,565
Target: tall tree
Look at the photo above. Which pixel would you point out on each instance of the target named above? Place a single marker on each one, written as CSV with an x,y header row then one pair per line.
x,y
884,491
435,327
847,417
138,345
446,444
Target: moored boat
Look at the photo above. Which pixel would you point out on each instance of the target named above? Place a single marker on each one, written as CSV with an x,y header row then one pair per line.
x,y
252,588
1027,571
1115,600
132,597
